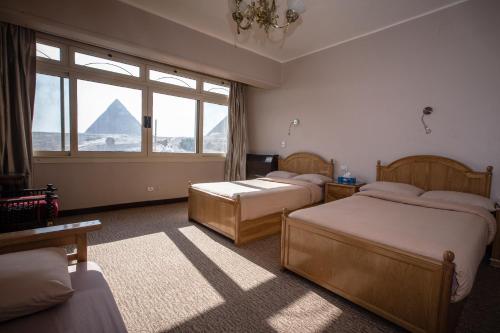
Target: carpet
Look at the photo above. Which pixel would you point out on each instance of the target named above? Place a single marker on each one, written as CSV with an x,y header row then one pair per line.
x,y
171,275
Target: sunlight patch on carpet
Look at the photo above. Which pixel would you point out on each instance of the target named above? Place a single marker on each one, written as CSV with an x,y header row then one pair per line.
x,y
243,272
156,279
309,313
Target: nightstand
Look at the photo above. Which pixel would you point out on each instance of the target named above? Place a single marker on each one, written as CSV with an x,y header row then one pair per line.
x,y
336,191
495,252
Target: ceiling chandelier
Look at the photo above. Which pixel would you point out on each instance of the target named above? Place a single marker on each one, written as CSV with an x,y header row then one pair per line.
x,y
263,12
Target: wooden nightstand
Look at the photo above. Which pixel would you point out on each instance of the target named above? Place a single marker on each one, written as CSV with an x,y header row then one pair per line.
x,y
495,253
336,191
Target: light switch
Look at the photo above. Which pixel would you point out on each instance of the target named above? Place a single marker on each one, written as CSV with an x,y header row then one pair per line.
x,y
283,144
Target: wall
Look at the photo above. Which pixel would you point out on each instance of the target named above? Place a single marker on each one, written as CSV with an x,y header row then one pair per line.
x,y
93,184
362,101
121,27
115,25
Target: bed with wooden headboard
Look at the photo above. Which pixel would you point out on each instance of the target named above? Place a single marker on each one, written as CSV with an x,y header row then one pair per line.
x,y
412,290
223,214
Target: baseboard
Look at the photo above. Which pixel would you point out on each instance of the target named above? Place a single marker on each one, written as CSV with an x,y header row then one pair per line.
x,y
99,209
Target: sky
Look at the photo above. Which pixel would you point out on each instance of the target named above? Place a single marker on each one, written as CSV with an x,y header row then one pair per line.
x,y
175,115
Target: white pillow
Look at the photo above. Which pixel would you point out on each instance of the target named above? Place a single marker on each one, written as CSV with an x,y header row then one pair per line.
x,y
281,174
400,188
460,198
31,281
314,178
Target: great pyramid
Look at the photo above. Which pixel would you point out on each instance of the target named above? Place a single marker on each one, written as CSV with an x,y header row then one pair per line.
x,y
115,120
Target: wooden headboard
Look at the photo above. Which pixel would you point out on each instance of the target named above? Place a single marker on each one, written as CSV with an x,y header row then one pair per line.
x,y
436,173
306,163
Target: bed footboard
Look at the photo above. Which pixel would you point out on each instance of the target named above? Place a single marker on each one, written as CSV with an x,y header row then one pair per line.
x,y
410,290
214,211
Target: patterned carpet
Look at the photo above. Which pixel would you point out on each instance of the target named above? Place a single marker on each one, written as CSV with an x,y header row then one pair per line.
x,y
170,275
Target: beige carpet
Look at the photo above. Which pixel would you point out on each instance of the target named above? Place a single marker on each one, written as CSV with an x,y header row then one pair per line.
x,y
168,274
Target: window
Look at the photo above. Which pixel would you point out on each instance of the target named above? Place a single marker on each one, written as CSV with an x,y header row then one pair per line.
x,y
216,89
106,64
215,128
109,117
50,129
48,52
174,124
120,105
172,79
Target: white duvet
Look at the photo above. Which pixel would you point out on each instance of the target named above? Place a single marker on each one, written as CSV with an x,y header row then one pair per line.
x,y
264,196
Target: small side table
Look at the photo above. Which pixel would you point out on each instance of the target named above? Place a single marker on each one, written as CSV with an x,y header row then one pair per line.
x,y
335,191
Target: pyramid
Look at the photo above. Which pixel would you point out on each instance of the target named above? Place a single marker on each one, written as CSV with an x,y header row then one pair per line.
x,y
115,120
220,128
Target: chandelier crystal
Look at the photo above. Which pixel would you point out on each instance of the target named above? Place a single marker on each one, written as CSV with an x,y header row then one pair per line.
x,y
264,13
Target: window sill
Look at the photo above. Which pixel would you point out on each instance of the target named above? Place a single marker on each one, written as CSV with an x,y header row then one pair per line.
x,y
171,158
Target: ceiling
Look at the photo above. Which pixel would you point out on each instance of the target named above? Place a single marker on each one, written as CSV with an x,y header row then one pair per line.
x,y
324,24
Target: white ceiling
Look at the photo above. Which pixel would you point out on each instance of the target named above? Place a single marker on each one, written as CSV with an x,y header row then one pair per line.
x,y
324,24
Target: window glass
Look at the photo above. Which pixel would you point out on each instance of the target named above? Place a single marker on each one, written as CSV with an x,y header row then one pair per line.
x,y
106,64
215,127
215,88
109,117
172,79
173,124
51,114
48,52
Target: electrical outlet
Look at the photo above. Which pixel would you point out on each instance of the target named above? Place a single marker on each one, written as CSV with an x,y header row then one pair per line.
x,y
283,144
150,188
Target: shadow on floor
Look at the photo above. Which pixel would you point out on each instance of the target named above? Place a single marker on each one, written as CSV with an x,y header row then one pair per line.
x,y
250,310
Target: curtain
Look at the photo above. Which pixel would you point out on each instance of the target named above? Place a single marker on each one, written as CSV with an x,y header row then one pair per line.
x,y
17,97
236,157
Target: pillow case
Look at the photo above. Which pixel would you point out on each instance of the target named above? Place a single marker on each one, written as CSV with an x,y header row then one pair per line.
x,y
400,188
31,281
281,174
314,178
460,198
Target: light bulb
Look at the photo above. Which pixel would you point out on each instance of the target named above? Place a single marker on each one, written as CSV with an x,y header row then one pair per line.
x,y
297,6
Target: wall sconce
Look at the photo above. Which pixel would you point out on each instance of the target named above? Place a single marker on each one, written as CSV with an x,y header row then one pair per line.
x,y
293,123
427,111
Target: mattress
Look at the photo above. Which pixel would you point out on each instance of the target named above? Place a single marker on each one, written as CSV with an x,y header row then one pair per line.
x,y
263,196
91,309
412,224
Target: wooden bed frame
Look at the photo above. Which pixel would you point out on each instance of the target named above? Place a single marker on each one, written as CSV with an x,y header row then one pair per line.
x,y
410,290
223,214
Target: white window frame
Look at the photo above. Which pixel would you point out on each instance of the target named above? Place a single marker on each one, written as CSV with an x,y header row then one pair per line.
x,y
63,48
67,68
200,128
74,123
61,74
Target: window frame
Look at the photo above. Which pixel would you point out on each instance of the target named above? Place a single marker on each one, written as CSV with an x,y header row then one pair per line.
x,y
63,48
64,75
116,57
150,113
69,69
173,71
219,82
74,127
200,128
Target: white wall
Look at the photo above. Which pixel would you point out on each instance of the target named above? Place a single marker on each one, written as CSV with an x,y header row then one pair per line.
x,y
362,101
92,184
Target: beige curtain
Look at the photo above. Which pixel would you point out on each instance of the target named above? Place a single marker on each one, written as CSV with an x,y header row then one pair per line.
x,y
235,168
17,96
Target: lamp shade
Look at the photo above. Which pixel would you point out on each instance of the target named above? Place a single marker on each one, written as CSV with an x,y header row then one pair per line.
x,y
297,6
